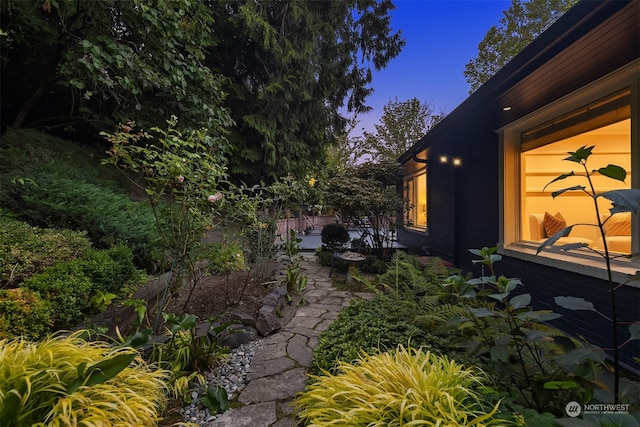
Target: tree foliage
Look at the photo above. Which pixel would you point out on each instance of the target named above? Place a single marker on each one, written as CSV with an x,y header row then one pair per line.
x,y
402,124
288,68
346,150
292,65
367,196
520,25
66,62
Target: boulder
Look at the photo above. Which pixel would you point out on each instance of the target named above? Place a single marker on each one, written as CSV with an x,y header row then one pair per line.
x,y
245,319
273,300
268,322
237,337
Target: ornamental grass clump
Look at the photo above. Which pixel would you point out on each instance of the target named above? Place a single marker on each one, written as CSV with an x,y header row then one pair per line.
x,y
399,388
67,381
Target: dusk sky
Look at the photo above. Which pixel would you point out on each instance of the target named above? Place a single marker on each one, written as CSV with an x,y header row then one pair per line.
x,y
441,37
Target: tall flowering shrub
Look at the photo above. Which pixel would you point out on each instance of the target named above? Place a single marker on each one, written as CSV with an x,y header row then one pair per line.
x,y
181,174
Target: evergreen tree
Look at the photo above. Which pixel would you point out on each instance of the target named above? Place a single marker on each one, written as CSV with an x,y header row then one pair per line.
x,y
285,71
292,65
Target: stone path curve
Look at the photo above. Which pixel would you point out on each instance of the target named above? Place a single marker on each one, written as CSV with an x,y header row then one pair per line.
x,y
278,369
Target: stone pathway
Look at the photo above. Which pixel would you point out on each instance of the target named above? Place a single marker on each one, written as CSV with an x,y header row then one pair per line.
x,y
278,369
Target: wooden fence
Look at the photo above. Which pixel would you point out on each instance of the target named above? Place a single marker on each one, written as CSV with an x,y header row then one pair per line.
x,y
304,223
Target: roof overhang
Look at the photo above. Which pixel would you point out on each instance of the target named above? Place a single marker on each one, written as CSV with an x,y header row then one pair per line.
x,y
589,41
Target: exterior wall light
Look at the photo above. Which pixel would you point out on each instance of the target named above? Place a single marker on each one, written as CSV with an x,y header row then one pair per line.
x,y
507,108
455,161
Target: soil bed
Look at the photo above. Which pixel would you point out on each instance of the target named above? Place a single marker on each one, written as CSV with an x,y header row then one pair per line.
x,y
213,296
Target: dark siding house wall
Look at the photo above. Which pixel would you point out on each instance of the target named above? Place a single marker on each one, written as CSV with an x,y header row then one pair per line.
x,y
442,222
463,200
545,283
590,41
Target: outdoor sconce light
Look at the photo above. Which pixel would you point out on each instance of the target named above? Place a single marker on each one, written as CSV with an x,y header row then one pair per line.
x,y
507,108
455,161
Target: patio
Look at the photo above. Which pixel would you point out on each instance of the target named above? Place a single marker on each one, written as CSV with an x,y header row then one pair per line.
x,y
312,239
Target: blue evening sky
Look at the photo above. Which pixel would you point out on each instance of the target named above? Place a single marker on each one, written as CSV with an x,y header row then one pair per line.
x,y
441,37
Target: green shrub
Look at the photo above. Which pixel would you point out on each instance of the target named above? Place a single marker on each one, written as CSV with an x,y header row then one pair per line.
x,y
184,350
399,388
111,270
334,236
50,182
23,313
435,268
70,286
27,250
223,258
54,200
406,276
28,151
66,381
372,264
68,290
367,326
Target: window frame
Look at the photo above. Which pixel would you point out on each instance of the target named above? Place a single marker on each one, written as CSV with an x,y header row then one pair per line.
x,y
511,243
412,198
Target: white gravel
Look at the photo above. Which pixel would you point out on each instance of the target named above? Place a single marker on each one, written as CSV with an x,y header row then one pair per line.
x,y
231,375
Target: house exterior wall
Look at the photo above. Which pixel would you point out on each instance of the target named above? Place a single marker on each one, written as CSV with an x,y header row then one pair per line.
x,y
590,41
545,283
463,202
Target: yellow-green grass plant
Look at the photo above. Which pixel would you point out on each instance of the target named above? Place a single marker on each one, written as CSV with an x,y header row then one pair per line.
x,y
67,381
403,387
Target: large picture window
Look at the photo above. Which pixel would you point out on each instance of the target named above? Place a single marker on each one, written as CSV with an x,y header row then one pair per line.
x,y
533,151
541,212
416,196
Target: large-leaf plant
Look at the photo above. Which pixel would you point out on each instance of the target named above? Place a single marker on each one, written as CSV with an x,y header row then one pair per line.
x,y
622,200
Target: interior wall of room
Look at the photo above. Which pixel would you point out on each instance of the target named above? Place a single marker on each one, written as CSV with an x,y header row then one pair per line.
x,y
543,164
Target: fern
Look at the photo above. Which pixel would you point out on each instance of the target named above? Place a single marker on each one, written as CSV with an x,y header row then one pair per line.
x,y
436,315
435,270
405,278
537,364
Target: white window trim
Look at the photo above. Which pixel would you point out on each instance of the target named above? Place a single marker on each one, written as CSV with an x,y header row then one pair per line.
x,y
581,261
